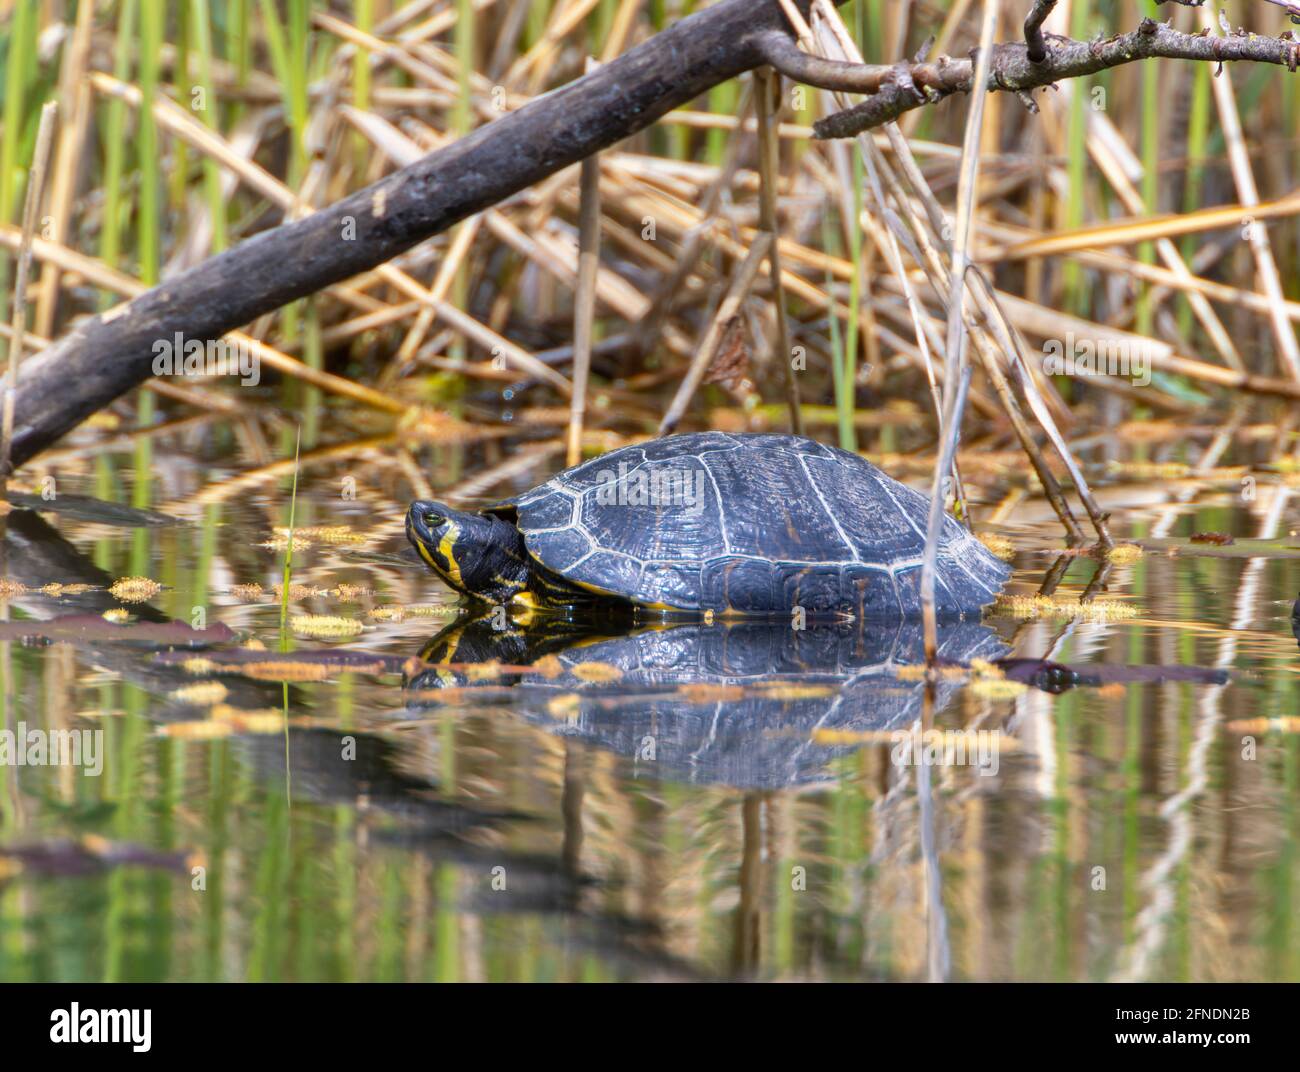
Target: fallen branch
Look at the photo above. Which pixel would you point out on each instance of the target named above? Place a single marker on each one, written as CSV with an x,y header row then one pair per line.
x,y
107,355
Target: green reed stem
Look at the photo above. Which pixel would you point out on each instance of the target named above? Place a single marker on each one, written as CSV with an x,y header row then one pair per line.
x,y
201,33
110,234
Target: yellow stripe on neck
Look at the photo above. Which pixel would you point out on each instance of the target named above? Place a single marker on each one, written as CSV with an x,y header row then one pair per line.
x,y
446,547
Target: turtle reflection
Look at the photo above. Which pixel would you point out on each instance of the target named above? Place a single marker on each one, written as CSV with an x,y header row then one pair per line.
x,y
733,704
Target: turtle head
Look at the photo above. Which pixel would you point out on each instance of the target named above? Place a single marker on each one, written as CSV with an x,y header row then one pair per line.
x,y
480,555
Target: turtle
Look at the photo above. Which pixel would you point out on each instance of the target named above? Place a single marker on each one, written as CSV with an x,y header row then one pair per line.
x,y
711,523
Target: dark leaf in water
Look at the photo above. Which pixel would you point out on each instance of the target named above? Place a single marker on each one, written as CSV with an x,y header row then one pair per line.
x,y
74,627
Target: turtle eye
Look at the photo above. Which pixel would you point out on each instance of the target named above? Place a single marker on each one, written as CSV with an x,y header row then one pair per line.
x,y
433,520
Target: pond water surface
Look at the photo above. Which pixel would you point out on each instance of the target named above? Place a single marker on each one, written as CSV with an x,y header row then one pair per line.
x,y
447,802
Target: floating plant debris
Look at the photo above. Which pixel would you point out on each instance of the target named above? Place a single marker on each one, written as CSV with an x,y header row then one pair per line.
x,y
397,612
310,535
1093,610
998,544
938,741
56,590
201,693
1280,724
596,672
992,688
280,542
1124,553
325,625
283,670
254,592
135,589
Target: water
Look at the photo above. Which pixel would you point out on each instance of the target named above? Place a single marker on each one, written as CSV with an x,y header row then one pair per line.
x,y
694,803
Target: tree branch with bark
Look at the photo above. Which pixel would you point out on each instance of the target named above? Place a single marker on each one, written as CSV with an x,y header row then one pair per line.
x,y
899,88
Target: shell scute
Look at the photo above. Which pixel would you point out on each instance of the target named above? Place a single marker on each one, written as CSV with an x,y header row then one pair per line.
x,y
559,550
745,584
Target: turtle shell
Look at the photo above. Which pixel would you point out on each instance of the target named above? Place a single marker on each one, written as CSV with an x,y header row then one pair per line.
x,y
750,524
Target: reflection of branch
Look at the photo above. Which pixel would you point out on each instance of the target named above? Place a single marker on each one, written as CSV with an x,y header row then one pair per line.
x,y
903,86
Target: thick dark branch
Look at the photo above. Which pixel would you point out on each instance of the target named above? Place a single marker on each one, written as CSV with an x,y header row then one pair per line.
x,y
109,354
910,85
